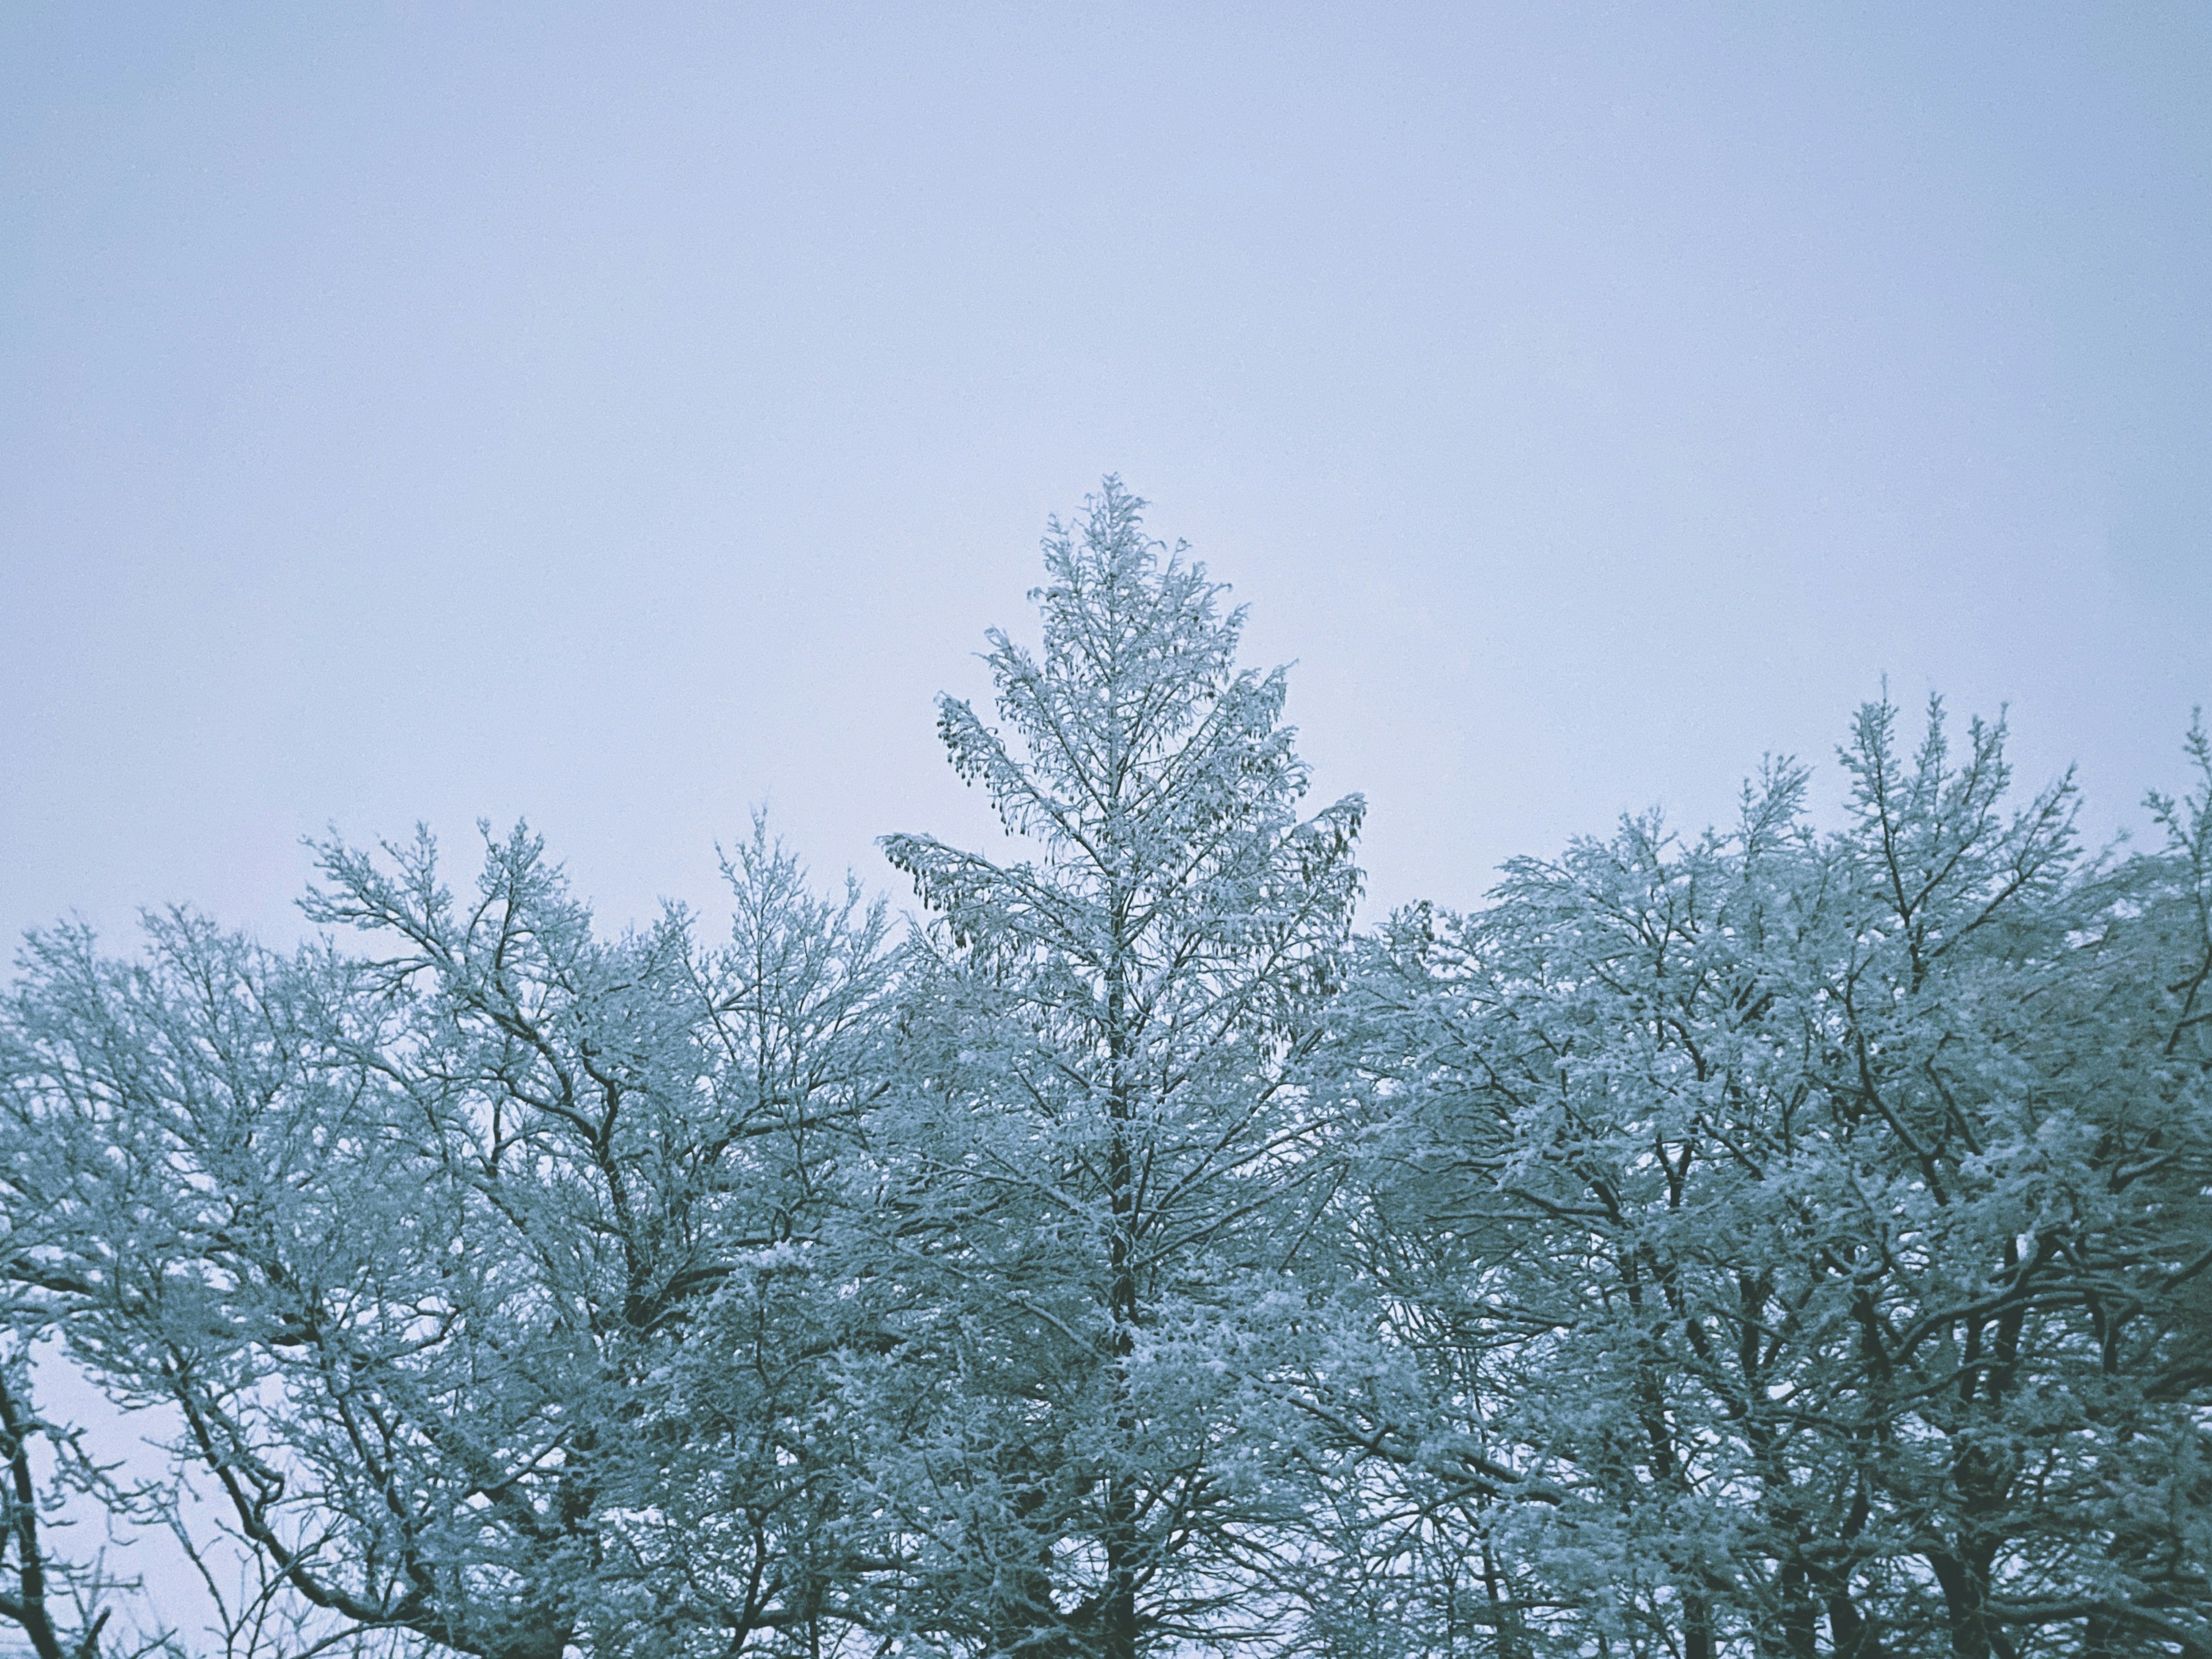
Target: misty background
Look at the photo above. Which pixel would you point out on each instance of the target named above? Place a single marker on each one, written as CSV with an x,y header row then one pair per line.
x,y
622,417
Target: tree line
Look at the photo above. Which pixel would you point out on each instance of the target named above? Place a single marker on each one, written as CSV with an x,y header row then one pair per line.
x,y
1785,1241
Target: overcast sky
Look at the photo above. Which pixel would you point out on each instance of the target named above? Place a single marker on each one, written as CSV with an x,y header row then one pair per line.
x,y
622,416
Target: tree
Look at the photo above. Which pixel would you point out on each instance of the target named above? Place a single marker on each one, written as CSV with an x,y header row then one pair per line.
x,y
64,1604
1091,1177
479,1268
1777,1242
1807,1228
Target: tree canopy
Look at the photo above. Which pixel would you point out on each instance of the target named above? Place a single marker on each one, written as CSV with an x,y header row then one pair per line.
x,y
1787,1239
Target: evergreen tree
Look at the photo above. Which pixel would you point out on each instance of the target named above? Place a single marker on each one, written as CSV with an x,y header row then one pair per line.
x,y
1093,1176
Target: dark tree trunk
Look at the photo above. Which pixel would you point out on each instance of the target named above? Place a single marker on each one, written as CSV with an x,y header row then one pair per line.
x,y
1120,1631
1849,1633
1964,1579
1697,1627
1801,1614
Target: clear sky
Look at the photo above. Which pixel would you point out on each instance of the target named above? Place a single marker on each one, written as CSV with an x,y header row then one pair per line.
x,y
619,416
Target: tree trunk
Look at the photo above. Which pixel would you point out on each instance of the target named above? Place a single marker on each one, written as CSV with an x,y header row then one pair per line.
x,y
1119,1632
1697,1626
1966,1600
1801,1614
1849,1633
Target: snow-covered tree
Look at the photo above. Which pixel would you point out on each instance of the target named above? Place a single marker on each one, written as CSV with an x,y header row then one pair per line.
x,y
479,1268
1779,1241
1799,1231
1095,1174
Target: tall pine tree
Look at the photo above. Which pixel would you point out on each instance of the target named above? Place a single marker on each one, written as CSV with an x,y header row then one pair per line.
x,y
1094,1171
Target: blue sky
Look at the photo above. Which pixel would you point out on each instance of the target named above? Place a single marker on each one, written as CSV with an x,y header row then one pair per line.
x,y
622,416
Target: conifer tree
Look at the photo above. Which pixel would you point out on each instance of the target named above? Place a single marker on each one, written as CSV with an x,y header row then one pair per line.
x,y
1092,1173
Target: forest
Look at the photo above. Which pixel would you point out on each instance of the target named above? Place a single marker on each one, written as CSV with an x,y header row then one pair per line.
x,y
1790,1239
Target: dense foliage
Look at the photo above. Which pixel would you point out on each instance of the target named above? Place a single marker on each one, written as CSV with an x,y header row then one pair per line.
x,y
1779,1241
